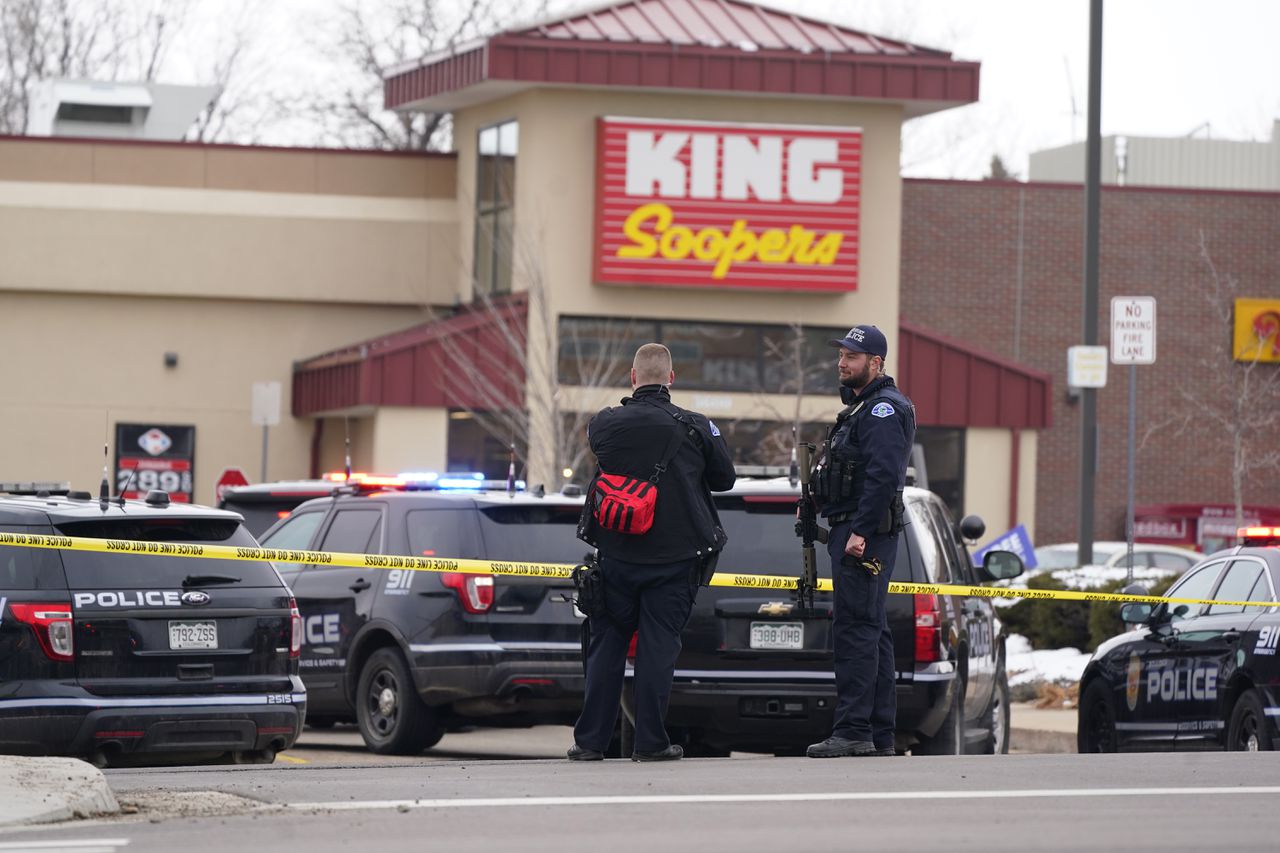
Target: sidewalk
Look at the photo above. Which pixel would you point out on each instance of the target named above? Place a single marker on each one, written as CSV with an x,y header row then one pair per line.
x,y
44,790
1041,729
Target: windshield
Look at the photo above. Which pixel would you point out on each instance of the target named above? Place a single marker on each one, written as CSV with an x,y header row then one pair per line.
x,y
94,570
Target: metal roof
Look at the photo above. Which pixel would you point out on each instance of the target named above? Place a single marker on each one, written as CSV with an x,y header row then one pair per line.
x,y
711,45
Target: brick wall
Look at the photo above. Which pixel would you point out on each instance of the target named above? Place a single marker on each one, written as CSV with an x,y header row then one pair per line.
x,y
961,277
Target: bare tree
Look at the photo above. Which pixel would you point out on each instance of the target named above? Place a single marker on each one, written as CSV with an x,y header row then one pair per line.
x,y
791,369
476,368
373,40
1239,406
102,40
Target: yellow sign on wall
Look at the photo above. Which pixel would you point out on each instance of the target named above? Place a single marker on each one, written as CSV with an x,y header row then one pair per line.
x,y
1257,330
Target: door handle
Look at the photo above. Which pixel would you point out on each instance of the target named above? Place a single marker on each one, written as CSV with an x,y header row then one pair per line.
x,y
1231,636
360,585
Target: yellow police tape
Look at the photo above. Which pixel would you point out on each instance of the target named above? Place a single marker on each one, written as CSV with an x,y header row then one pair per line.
x,y
560,571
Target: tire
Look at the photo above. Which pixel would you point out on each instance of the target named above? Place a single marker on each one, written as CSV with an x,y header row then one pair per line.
x,y
950,738
393,719
995,719
1096,729
1248,730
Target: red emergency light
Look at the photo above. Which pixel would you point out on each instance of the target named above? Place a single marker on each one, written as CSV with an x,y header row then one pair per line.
x,y
1255,536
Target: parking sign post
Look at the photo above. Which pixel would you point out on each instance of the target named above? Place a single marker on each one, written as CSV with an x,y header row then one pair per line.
x,y
1133,342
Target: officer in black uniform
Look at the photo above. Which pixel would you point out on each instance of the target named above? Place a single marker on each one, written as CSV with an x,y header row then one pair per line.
x,y
858,486
649,579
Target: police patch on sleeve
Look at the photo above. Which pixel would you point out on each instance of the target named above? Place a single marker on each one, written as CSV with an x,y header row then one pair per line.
x,y
715,430
882,410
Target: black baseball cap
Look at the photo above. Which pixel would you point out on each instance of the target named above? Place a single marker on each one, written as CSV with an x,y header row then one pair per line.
x,y
866,339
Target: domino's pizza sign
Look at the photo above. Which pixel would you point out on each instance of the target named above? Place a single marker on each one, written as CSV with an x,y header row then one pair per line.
x,y
1015,540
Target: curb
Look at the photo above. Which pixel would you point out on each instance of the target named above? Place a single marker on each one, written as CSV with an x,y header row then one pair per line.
x,y
46,790
1039,740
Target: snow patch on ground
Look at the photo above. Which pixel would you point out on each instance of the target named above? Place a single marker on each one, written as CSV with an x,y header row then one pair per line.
x,y
1025,665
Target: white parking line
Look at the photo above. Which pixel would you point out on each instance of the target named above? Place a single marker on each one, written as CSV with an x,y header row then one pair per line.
x,y
76,845
693,799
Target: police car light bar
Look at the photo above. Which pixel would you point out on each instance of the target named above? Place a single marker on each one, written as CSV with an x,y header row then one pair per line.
x,y
472,481
1258,535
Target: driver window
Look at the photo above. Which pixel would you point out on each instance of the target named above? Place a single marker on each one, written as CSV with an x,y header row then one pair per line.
x,y
1195,585
1236,585
296,533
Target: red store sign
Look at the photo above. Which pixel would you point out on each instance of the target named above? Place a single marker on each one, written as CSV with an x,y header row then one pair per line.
x,y
704,204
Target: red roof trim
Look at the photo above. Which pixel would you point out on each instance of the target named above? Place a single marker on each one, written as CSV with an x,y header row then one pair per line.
x,y
222,146
697,44
955,385
1106,188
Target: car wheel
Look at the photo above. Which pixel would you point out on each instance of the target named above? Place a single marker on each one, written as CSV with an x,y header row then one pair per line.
x,y
1097,720
1248,731
393,719
950,738
995,719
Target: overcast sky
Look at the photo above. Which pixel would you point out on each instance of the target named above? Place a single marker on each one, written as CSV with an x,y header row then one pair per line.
x,y
1170,68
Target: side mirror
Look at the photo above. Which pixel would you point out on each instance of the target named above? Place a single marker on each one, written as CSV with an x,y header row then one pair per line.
x,y
972,527
1136,612
1001,565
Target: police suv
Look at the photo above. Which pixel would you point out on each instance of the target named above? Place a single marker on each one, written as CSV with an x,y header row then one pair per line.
x,y
1193,676
407,655
755,673
114,656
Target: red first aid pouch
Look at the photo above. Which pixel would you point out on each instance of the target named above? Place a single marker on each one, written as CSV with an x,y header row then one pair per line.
x,y
625,504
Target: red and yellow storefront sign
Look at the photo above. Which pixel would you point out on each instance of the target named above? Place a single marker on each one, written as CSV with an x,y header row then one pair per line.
x,y
704,204
1257,333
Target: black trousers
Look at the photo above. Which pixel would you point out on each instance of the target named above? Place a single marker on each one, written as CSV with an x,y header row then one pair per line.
x,y
866,698
654,602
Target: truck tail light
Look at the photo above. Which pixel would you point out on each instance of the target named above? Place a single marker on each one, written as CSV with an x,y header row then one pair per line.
x,y
928,629
631,647
295,632
53,626
475,592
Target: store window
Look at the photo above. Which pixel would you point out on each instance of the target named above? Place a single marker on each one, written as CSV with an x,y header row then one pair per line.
x,y
707,356
495,207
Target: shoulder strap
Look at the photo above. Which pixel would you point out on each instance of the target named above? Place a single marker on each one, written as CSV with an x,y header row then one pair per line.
x,y
681,429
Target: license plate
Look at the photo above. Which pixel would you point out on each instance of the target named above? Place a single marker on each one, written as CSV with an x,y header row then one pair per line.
x,y
777,635
193,635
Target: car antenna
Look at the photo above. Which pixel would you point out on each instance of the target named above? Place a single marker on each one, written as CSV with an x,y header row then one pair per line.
x,y
511,472
127,483
104,489
346,465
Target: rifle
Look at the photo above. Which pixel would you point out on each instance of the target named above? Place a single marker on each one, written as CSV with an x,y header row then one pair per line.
x,y
807,529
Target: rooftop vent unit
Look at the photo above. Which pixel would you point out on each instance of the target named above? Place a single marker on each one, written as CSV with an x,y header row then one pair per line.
x,y
116,110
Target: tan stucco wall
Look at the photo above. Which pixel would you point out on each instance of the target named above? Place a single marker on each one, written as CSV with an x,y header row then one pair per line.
x,y
555,209
78,363
987,467
1027,481
406,439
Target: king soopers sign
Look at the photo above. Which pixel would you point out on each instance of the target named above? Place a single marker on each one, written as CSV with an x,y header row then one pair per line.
x,y
700,204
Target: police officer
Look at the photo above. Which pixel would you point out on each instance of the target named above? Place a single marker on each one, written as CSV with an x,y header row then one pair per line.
x,y
649,579
858,486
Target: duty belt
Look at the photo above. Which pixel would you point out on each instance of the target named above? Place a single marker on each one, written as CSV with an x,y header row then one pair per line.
x,y
839,517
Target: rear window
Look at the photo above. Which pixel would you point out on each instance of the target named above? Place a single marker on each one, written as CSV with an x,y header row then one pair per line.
x,y
29,568
763,541
533,533
91,569
260,515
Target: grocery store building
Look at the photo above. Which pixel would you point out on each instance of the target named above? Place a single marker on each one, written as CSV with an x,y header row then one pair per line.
x,y
718,176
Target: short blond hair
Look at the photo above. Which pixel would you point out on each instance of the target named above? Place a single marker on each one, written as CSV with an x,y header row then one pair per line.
x,y
652,365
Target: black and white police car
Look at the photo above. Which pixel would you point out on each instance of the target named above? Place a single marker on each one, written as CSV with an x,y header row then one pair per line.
x,y
120,657
1193,676
408,655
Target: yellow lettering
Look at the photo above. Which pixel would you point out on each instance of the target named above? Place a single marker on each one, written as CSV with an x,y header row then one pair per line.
x,y
643,244
651,230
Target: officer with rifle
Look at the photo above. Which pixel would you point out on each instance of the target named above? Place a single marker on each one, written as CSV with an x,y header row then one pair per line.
x,y
857,485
